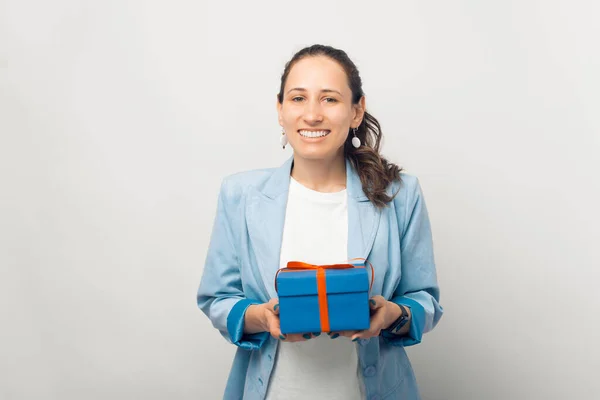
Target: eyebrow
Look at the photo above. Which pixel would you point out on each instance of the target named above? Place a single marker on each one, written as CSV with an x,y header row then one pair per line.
x,y
323,90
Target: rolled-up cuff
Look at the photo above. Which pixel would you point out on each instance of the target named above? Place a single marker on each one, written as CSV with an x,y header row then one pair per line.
x,y
235,327
417,324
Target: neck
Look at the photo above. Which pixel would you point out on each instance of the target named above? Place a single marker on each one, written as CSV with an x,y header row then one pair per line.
x,y
325,175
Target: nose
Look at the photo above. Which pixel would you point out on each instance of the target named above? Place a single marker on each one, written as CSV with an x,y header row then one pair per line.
x,y
313,112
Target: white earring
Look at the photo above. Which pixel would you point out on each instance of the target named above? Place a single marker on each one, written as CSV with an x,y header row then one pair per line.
x,y
283,140
355,140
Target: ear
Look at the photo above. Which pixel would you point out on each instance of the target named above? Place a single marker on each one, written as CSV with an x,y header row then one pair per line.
x,y
359,111
279,107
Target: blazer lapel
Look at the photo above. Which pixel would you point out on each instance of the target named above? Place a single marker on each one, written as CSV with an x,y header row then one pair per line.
x,y
265,215
363,217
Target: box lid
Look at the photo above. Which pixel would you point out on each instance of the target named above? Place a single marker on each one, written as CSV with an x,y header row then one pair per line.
x,y
304,282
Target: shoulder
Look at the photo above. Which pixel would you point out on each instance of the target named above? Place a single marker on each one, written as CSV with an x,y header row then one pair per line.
x,y
237,184
407,193
407,186
408,181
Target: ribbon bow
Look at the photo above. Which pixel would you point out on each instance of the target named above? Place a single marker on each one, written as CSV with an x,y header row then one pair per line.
x,y
321,283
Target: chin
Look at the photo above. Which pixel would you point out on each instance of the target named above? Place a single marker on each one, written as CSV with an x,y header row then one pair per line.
x,y
313,153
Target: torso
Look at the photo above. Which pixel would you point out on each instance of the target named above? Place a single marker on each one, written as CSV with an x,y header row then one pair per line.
x,y
315,231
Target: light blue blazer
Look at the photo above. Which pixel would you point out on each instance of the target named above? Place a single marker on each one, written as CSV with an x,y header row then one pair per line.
x,y
243,257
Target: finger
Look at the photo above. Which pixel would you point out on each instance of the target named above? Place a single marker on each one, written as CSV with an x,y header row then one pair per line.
x,y
359,335
273,305
376,302
274,328
366,334
375,325
348,334
295,337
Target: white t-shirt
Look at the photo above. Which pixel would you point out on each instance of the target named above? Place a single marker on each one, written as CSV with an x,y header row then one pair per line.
x,y
315,231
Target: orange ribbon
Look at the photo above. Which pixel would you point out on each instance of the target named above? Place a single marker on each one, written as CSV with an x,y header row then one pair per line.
x,y
321,283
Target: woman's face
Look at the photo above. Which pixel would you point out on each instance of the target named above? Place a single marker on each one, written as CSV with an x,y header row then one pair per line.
x,y
317,109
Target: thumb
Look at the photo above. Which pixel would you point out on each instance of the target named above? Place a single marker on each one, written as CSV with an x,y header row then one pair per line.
x,y
376,302
273,305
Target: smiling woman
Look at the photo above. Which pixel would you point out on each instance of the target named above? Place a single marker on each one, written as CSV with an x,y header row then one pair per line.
x,y
320,97
334,200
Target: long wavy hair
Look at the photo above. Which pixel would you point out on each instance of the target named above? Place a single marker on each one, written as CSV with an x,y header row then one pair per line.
x,y
375,172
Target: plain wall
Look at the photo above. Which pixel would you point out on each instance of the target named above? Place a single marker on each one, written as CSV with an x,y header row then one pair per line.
x,y
119,119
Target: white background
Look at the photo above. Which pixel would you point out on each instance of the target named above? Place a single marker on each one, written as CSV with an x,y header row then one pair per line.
x,y
118,120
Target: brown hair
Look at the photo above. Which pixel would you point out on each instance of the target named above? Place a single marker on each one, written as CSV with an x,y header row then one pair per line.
x,y
375,172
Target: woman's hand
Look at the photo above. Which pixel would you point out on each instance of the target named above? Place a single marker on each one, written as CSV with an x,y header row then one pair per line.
x,y
265,318
383,313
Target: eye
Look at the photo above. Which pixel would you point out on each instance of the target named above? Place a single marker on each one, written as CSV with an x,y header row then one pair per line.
x,y
294,98
332,100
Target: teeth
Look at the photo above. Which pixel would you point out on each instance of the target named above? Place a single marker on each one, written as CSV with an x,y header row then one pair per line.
x,y
313,134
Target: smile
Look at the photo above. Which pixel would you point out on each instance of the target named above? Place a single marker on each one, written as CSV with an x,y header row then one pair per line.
x,y
313,134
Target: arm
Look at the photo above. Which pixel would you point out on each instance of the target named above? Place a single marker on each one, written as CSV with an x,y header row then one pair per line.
x,y
220,295
418,288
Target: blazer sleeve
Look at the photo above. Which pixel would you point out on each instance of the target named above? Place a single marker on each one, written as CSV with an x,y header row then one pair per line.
x,y
418,288
220,294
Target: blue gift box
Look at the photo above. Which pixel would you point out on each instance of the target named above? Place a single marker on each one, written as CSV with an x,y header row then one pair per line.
x,y
347,300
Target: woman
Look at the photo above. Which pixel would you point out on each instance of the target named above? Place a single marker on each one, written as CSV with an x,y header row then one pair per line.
x,y
335,199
